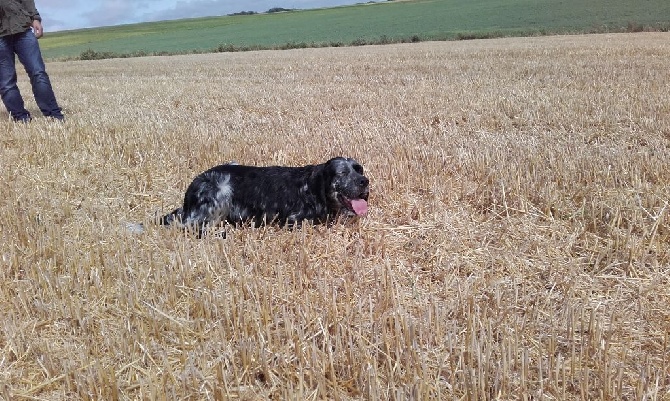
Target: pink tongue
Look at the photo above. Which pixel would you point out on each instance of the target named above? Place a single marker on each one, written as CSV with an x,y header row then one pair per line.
x,y
360,206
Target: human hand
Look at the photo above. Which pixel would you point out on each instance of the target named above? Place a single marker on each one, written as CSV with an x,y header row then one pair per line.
x,y
37,29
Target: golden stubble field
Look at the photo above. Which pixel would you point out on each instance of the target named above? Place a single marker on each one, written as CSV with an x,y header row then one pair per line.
x,y
517,245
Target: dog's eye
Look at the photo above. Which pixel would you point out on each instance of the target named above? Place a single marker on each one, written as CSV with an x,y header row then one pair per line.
x,y
358,168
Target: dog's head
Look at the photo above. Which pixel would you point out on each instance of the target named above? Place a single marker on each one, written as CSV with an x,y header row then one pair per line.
x,y
348,189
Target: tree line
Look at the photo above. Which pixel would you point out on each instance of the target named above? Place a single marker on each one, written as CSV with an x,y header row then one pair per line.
x,y
270,11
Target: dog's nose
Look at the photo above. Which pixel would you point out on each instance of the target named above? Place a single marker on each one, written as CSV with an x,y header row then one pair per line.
x,y
364,182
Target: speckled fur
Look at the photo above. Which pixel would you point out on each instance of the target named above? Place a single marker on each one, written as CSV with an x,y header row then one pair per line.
x,y
276,194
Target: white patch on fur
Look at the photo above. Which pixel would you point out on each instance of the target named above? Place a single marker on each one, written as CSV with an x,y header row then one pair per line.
x,y
224,199
225,193
292,218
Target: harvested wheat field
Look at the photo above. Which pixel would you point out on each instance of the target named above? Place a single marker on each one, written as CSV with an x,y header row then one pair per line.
x,y
517,244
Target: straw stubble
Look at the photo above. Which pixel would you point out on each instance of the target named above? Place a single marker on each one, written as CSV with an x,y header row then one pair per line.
x,y
516,245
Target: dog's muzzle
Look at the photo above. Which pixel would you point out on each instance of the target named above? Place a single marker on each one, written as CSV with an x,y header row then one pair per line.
x,y
358,204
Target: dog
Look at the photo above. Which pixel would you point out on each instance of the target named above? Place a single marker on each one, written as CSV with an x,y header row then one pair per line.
x,y
287,196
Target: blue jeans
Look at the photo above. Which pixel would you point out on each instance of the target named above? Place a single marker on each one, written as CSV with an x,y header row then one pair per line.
x,y
25,46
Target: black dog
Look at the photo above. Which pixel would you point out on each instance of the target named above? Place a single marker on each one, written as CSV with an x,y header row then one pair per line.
x,y
280,195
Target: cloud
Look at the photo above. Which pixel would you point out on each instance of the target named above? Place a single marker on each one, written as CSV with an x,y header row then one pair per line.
x,y
112,12
198,8
75,14
202,8
58,4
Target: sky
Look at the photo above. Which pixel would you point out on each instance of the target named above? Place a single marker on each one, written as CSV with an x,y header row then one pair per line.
x,y
59,15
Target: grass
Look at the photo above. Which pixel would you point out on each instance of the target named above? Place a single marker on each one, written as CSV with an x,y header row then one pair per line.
x,y
517,245
385,22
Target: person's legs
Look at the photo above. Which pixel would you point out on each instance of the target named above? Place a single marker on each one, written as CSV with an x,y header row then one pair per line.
x,y
11,96
28,50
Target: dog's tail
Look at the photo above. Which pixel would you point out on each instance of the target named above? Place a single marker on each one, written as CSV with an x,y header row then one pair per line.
x,y
174,216
170,218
